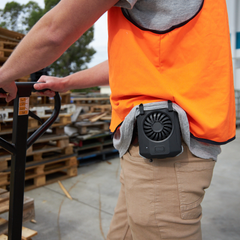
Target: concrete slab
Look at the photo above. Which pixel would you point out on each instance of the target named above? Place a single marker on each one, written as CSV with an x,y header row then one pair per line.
x,y
88,215
61,218
221,206
95,192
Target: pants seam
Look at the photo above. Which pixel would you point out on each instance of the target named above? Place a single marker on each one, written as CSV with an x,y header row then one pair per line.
x,y
124,236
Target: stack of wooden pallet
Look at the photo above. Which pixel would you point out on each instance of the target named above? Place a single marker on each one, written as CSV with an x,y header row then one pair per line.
x,y
8,41
51,158
89,131
28,215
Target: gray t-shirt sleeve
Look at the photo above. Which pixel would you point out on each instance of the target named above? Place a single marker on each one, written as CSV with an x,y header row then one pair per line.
x,y
126,3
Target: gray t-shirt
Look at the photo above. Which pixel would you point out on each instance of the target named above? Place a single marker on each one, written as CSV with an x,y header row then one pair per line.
x,y
162,15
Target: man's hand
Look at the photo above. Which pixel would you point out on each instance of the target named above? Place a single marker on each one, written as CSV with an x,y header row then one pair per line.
x,y
54,84
11,90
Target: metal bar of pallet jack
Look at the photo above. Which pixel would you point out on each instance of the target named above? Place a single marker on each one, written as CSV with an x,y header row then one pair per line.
x,y
39,132
7,146
17,177
18,161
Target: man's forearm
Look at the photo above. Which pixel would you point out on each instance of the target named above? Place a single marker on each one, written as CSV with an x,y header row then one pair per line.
x,y
95,76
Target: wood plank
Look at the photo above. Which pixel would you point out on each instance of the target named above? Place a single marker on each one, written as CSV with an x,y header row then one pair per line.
x,y
12,44
3,225
2,191
28,233
99,116
4,197
39,148
4,207
28,213
3,237
8,34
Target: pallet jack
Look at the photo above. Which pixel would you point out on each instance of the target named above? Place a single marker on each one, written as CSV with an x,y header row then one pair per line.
x,y
18,147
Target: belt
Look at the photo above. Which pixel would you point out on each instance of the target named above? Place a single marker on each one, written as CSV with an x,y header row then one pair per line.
x,y
134,140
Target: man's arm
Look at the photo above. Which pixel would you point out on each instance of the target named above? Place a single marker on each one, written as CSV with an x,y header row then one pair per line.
x,y
95,76
50,37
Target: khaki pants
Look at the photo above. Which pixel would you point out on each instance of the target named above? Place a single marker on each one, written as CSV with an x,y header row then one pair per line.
x,y
160,199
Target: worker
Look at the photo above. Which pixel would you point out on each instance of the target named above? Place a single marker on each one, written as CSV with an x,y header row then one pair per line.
x,y
160,53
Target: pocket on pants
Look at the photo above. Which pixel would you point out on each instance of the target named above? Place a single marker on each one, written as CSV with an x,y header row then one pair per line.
x,y
192,179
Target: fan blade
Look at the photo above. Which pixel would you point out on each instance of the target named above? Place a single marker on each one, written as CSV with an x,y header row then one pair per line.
x,y
147,126
151,135
155,137
167,122
161,117
165,119
151,118
148,131
166,133
147,121
159,137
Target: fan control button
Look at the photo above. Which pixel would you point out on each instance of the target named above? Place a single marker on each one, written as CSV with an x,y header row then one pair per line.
x,y
160,149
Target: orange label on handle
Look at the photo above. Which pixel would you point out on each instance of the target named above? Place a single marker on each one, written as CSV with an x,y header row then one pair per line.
x,y
23,108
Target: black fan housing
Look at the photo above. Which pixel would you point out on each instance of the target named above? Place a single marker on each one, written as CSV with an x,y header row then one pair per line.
x,y
159,133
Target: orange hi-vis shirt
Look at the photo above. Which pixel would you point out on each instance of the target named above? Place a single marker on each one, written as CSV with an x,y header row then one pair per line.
x,y
191,65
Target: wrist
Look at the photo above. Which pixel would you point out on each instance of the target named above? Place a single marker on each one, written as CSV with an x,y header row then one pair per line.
x,y
66,84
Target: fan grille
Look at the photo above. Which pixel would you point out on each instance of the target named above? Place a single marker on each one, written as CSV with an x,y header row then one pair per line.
x,y
157,126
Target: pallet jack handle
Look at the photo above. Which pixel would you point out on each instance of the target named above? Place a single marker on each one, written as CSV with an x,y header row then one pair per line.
x,y
18,147
26,86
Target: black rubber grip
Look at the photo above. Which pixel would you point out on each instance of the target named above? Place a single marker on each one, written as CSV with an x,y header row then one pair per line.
x,y
2,91
25,83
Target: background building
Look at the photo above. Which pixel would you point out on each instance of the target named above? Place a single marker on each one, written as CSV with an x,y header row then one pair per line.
x,y
234,23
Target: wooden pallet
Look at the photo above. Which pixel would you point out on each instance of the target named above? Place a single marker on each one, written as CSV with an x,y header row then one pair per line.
x,y
90,101
92,145
11,36
24,79
62,120
3,60
101,108
35,99
44,169
6,113
46,111
46,143
86,127
27,234
6,127
49,145
28,210
97,156
50,170
6,48
5,53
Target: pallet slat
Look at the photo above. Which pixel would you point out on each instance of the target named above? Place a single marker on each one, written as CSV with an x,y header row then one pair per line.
x,y
47,143
27,234
38,172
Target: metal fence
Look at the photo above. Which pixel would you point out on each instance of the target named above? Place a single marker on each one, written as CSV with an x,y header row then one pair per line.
x,y
237,100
